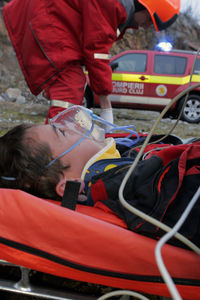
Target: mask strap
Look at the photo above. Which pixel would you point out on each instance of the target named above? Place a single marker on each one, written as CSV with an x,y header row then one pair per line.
x,y
124,128
115,127
70,196
95,117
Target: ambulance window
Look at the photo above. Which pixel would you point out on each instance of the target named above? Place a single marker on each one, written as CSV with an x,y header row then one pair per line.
x,y
169,64
132,62
197,67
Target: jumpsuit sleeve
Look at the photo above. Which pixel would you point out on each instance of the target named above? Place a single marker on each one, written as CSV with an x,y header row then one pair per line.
x,y
100,23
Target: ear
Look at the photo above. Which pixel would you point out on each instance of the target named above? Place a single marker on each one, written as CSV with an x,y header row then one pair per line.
x,y
60,187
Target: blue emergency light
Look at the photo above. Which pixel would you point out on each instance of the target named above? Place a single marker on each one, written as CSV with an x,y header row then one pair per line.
x,y
164,46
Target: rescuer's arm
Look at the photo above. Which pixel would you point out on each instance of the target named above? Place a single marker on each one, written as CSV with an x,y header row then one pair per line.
x,y
100,23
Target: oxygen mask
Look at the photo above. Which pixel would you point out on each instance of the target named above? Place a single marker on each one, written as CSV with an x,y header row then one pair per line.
x,y
80,120
86,124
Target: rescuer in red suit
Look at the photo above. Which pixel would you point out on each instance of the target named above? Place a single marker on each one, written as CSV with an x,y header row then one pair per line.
x,y
55,40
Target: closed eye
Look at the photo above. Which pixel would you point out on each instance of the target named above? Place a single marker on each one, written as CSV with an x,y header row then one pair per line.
x,y
56,130
62,131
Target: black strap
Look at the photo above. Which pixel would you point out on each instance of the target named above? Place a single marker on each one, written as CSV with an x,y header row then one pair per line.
x,y
70,196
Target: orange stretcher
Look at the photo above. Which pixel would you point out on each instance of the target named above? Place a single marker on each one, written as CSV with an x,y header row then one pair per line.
x,y
89,245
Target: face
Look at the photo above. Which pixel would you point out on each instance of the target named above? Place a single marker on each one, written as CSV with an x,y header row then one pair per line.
x,y
143,19
59,140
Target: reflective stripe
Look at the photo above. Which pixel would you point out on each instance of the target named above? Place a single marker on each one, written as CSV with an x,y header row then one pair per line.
x,y
139,100
129,77
118,32
170,80
155,79
196,78
60,103
102,56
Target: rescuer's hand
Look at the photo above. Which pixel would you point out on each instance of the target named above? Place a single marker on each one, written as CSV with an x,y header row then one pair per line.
x,y
107,114
106,108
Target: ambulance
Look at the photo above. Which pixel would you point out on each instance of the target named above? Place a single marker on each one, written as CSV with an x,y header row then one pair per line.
x,y
149,80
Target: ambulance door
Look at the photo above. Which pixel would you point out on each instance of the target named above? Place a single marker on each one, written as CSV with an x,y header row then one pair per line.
x,y
169,78
130,79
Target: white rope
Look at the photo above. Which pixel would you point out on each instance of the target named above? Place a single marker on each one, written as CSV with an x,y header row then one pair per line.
x,y
123,293
168,280
131,169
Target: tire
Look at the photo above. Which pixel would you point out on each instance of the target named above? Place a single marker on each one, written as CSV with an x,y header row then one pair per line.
x,y
191,112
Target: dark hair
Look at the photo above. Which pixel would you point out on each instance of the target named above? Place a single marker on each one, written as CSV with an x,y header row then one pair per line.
x,y
23,164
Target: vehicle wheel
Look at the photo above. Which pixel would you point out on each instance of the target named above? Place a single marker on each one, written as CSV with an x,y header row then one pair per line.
x,y
191,112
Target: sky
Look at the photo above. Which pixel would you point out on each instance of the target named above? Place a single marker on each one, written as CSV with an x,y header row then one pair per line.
x,y
194,4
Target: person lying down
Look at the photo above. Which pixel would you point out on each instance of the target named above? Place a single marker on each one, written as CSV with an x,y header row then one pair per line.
x,y
40,159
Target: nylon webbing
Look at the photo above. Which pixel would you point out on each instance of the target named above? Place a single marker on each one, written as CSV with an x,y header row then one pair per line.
x,y
70,196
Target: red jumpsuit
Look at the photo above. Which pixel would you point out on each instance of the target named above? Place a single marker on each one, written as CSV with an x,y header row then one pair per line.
x,y
53,39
